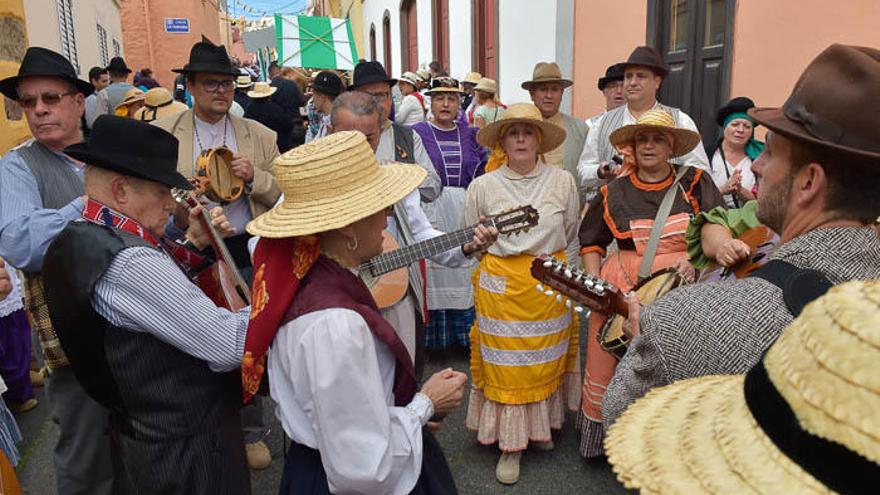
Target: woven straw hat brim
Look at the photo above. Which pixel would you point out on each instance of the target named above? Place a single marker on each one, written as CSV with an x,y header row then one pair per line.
x,y
444,90
172,108
552,135
685,139
254,94
290,219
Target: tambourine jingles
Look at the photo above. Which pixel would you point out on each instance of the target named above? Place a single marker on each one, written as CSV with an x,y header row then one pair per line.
x,y
214,176
611,336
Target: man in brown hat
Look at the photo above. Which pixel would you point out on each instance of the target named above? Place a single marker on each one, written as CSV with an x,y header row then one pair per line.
x,y
210,78
546,88
644,70
818,181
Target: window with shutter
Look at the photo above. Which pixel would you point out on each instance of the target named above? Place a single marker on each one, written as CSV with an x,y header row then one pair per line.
x,y
66,32
102,46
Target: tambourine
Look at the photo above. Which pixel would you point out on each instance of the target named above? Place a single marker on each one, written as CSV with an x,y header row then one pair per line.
x,y
214,176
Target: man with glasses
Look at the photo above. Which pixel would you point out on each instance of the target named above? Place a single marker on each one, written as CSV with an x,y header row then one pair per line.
x,y
210,78
41,191
611,86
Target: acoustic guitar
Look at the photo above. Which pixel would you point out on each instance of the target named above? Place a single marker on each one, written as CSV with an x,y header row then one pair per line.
x,y
386,274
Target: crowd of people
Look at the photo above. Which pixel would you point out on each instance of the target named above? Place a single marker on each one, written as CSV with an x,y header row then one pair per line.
x,y
158,366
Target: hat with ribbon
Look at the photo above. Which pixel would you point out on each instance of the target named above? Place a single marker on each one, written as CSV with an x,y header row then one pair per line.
x,y
39,61
410,78
834,103
526,113
131,97
205,56
262,90
368,73
546,72
243,81
803,420
158,103
328,82
117,66
612,73
487,85
684,140
444,85
131,147
472,78
645,56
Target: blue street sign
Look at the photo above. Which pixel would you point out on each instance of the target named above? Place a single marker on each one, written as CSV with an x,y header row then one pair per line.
x,y
176,25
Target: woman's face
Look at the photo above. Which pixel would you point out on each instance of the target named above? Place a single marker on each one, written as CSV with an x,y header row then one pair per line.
x,y
482,96
445,107
653,149
520,142
405,87
738,132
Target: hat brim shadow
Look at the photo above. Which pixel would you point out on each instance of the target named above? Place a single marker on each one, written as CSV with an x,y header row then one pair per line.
x,y
528,85
8,85
685,139
775,120
120,163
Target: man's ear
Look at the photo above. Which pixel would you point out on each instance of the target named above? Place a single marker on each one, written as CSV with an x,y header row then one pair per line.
x,y
810,185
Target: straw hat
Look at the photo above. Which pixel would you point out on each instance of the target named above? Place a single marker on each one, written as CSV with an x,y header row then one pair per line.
x,y
551,134
262,90
804,420
411,78
132,96
657,119
330,183
243,81
444,85
546,72
487,85
158,103
472,78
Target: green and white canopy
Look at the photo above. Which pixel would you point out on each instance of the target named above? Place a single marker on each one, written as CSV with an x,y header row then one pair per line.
x,y
315,42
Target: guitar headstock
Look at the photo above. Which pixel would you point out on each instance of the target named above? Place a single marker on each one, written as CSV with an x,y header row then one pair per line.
x,y
184,197
518,219
574,284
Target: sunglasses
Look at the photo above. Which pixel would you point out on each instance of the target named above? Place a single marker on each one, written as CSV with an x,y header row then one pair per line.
x,y
49,98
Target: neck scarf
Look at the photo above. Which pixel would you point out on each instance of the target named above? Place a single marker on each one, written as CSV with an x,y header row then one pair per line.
x,y
753,147
279,267
102,214
628,150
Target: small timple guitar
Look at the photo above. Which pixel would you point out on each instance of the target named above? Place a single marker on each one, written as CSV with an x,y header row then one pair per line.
x,y
386,274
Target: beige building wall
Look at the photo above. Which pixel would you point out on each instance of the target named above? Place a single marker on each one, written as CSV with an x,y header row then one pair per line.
x,y
775,40
13,44
353,10
604,33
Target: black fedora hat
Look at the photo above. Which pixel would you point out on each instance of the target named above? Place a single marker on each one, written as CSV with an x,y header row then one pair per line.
x,y
834,103
328,83
740,104
131,147
645,56
612,73
368,73
208,57
39,61
117,65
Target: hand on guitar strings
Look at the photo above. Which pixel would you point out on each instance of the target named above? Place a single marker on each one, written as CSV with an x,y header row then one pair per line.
x,y
634,308
5,282
483,238
199,237
242,167
686,270
732,252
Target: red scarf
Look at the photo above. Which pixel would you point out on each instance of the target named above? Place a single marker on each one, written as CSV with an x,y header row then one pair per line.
x,y
279,267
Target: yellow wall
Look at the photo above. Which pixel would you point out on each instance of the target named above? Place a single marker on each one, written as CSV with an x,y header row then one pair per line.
x,y
605,32
13,39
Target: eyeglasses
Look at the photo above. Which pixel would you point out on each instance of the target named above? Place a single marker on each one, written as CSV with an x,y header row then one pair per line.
x,y
49,98
380,95
212,85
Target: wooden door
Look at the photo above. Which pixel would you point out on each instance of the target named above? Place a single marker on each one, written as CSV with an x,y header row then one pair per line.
x,y
409,33
441,32
695,38
386,43
485,37
373,56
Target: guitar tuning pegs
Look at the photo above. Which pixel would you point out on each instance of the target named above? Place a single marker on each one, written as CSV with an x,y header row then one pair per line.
x,y
548,263
568,273
548,292
588,283
559,298
578,309
568,304
540,288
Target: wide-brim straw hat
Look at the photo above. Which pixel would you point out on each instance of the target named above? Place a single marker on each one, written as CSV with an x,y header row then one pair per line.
x,y
546,72
410,78
132,96
243,81
804,420
262,90
657,119
472,78
444,85
551,134
487,85
158,103
330,183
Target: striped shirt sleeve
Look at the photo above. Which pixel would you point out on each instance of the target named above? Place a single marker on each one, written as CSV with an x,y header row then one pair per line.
x,y
144,291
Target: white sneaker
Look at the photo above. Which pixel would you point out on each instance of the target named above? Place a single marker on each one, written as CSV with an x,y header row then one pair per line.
x,y
507,471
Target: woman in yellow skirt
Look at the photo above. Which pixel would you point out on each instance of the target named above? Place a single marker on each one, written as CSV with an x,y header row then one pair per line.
x,y
524,347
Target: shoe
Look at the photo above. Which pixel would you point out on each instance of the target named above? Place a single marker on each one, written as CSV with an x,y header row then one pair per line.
x,y
22,407
543,446
36,378
507,471
258,455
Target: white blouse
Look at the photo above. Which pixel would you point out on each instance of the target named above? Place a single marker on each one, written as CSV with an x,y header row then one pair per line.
x,y
332,381
410,111
721,172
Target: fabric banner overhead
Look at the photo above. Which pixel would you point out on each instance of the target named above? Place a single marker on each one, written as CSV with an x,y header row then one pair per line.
x,y
315,42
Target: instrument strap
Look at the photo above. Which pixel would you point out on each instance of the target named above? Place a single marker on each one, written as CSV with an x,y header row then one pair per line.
x,y
659,223
800,286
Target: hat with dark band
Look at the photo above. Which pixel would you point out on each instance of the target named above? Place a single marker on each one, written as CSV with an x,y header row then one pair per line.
x,y
444,85
117,66
328,82
208,57
369,73
39,61
612,73
645,56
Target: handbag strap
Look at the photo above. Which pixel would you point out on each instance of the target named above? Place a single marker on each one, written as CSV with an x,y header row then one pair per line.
x,y
659,223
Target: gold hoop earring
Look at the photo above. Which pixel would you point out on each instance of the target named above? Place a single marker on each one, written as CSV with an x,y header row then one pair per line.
x,y
352,244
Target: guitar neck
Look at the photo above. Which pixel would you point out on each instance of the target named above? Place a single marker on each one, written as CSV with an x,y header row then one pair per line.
x,y
399,258
223,253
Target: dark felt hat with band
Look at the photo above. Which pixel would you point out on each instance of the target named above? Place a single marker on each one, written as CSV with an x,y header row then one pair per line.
x,y
39,61
834,104
328,82
205,56
612,73
368,73
117,66
131,147
645,56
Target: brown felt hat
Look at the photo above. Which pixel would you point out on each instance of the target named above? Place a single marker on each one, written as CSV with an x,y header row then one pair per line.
x,y
834,104
546,72
645,56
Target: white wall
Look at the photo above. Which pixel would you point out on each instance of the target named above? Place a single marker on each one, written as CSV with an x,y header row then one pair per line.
x,y
460,38
374,11
526,36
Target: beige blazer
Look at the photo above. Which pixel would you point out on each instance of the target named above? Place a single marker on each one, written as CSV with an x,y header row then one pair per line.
x,y
254,141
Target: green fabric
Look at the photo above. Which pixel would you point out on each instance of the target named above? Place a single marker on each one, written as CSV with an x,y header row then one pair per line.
x,y
737,220
316,42
354,50
279,34
754,148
